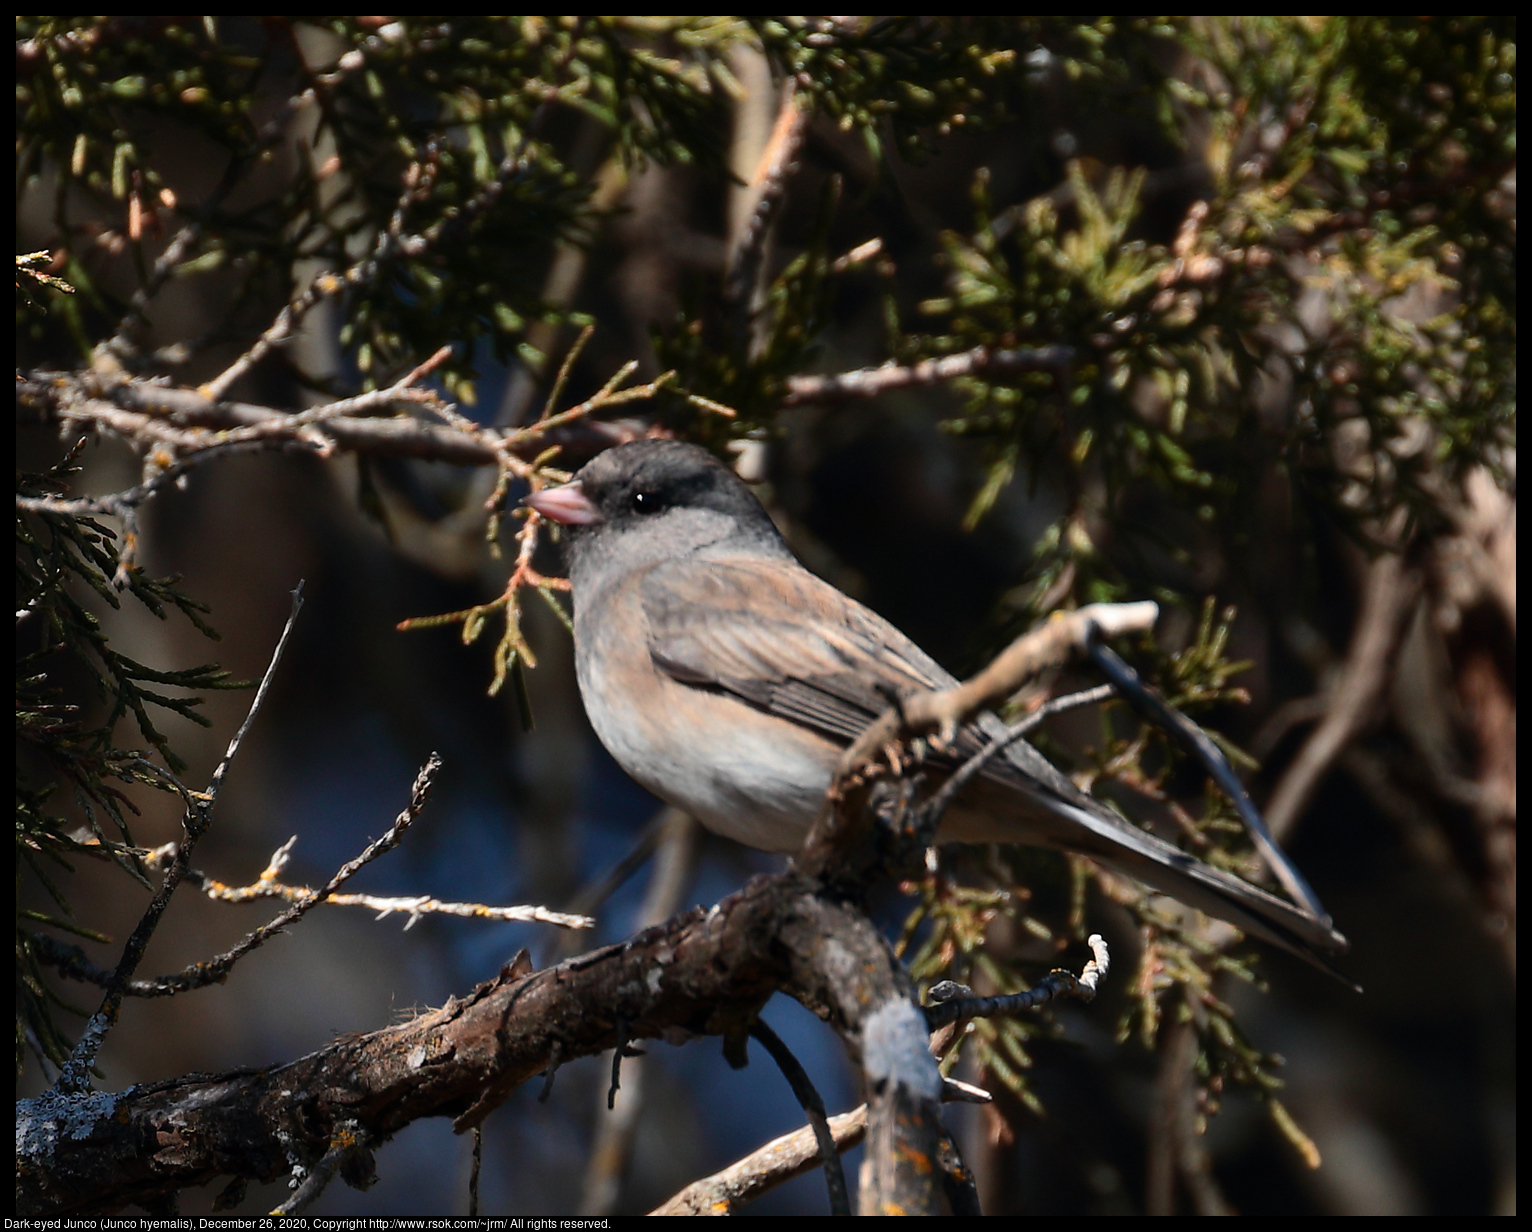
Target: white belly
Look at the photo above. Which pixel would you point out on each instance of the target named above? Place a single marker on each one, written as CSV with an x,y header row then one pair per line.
x,y
742,774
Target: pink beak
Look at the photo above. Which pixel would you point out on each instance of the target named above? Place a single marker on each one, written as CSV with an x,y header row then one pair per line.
x,y
567,505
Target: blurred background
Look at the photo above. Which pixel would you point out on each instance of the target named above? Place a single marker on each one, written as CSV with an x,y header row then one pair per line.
x,y
961,512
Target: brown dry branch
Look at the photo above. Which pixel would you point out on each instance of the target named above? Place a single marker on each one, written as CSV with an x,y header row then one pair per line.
x,y
1388,599
780,1160
177,429
115,409
1051,645
1176,1145
866,383
745,275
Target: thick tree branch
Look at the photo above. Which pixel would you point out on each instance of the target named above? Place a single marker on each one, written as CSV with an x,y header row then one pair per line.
x,y
705,972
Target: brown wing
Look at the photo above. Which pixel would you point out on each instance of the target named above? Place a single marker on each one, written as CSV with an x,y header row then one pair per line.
x,y
780,639
790,644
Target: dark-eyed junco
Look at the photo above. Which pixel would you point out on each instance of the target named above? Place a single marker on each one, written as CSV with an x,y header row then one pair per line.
x,y
727,679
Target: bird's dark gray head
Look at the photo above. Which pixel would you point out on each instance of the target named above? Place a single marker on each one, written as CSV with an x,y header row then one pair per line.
x,y
654,500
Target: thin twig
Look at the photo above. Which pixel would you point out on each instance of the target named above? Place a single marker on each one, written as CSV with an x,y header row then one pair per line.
x,y
473,1176
309,1183
620,1050
555,1058
746,265
957,1179
215,784
417,907
150,416
937,806
284,432
612,1152
75,1076
814,1108
864,383
597,892
216,969
1176,1145
1049,645
1055,984
119,504
1388,598
608,396
174,427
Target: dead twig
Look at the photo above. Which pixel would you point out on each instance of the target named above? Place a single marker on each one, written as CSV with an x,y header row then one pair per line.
x,y
943,710
778,1161
347,1145
75,1076
1388,598
217,969
1057,983
814,1108
937,806
982,362
745,271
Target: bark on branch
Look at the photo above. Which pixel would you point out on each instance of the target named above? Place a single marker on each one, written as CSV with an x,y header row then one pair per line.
x,y
705,972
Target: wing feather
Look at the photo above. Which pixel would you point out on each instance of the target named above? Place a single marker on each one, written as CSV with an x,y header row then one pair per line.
x,y
782,641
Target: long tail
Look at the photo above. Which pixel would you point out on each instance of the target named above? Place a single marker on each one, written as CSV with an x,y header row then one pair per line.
x,y
1062,816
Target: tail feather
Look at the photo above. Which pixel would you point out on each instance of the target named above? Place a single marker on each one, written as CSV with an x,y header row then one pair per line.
x,y
1058,814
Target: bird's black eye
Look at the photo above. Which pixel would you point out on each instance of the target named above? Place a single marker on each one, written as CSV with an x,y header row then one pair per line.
x,y
645,502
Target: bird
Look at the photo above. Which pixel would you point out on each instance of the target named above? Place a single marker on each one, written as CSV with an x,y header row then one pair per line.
x,y
728,679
